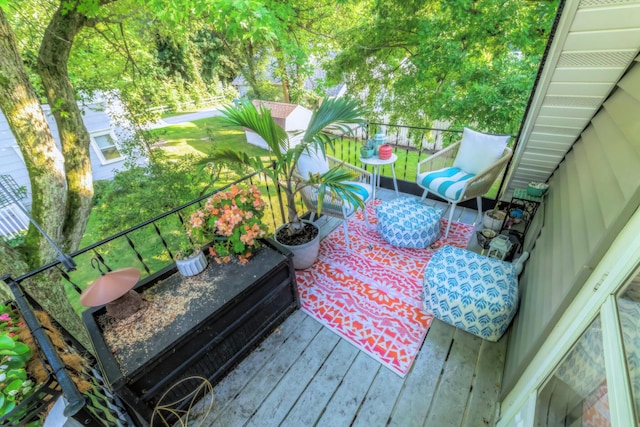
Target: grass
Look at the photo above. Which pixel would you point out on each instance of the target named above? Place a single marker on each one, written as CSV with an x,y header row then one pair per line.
x,y
200,137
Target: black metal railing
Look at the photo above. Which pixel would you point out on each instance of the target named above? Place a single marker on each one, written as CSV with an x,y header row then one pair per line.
x,y
151,246
410,143
168,231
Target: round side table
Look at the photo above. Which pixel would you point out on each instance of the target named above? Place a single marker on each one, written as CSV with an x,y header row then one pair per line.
x,y
377,163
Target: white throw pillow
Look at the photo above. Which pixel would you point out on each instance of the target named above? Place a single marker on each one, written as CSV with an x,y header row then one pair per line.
x,y
479,150
312,162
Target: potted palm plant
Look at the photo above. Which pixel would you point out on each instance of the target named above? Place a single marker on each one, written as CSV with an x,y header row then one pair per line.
x,y
333,116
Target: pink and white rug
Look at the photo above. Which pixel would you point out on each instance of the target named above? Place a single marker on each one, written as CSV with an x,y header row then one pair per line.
x,y
372,296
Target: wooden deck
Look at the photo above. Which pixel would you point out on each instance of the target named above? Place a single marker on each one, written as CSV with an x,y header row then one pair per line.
x,y
304,374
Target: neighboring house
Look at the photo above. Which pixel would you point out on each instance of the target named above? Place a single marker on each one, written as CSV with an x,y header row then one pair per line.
x,y
106,155
573,355
292,118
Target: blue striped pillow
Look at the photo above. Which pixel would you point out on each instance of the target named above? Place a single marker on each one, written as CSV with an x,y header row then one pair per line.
x,y
447,182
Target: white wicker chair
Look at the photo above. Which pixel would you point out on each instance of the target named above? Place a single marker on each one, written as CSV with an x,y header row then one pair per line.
x,y
333,205
468,187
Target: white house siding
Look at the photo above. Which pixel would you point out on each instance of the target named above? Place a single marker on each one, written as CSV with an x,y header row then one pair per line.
x,y
295,123
11,162
97,122
255,139
592,195
298,119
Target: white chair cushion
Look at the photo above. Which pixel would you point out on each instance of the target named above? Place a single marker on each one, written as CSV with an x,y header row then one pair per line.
x,y
312,163
447,182
478,151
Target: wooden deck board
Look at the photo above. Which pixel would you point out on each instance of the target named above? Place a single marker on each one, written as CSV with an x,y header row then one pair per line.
x,y
305,375
258,388
231,385
314,399
481,410
345,402
282,398
448,406
421,383
380,399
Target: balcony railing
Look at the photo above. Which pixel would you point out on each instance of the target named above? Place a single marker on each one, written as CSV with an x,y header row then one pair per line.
x,y
151,245
411,144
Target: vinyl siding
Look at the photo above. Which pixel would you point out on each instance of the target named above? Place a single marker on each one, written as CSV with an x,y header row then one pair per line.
x,y
592,195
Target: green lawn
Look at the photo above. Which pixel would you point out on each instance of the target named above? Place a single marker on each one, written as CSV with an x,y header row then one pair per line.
x,y
201,136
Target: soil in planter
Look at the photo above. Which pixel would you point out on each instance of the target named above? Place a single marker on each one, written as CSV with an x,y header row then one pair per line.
x,y
308,233
171,308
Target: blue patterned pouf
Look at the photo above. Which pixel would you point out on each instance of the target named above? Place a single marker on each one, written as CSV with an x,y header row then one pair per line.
x,y
471,291
409,223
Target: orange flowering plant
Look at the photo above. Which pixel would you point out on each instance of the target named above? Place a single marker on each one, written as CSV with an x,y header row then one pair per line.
x,y
232,221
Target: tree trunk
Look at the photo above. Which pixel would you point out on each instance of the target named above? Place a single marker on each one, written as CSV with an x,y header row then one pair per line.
x,y
10,263
74,137
45,165
284,77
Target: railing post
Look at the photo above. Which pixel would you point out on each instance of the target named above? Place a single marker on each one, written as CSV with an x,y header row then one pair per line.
x,y
75,400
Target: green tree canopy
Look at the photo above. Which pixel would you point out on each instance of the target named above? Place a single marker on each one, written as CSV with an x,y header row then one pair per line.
x,y
462,61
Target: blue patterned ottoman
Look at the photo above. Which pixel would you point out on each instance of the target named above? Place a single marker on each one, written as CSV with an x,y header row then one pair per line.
x,y
471,291
409,223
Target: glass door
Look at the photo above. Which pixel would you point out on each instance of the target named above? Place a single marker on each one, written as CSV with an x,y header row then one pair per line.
x,y
578,393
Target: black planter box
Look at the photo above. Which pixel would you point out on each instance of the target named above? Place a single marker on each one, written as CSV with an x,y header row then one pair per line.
x,y
208,340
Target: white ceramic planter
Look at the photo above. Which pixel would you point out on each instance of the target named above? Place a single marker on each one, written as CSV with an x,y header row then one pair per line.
x,y
193,265
306,254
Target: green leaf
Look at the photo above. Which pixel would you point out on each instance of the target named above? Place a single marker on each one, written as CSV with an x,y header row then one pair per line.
x,y
6,343
22,349
13,385
19,374
8,406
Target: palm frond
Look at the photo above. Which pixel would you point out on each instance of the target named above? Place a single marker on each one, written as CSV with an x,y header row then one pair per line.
x,y
333,115
261,122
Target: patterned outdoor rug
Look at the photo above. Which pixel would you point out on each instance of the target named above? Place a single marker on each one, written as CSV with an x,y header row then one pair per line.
x,y
372,296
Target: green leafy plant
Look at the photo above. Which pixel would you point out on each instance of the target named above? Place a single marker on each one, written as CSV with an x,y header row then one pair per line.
x,y
15,384
232,221
334,116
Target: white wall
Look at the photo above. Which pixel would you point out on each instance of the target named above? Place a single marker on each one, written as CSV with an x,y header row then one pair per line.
x,y
255,139
298,119
97,122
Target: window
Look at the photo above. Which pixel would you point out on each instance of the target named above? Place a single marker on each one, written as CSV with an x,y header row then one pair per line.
x,y
576,395
629,313
106,146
